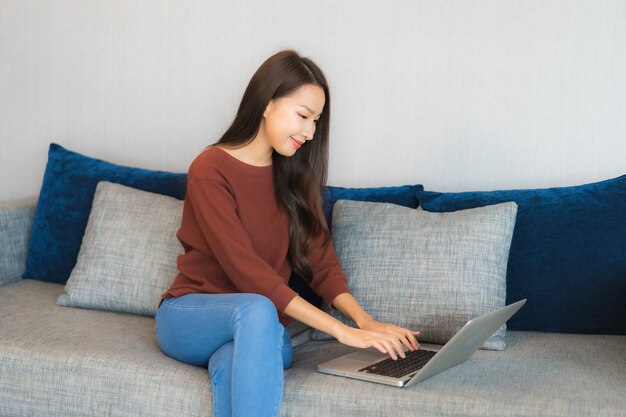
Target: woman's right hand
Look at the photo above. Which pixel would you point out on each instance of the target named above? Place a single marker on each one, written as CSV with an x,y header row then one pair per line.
x,y
385,338
384,342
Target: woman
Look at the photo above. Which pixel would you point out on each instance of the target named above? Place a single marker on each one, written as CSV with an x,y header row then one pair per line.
x,y
251,216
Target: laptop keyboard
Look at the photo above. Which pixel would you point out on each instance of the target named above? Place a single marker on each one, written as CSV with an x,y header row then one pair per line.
x,y
414,361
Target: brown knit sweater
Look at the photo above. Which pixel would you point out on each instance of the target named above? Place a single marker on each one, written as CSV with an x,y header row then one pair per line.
x,y
236,236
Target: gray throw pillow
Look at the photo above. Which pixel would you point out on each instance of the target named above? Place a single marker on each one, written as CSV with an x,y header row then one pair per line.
x,y
424,271
127,258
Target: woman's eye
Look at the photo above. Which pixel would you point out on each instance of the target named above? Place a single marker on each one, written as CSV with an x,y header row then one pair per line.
x,y
304,117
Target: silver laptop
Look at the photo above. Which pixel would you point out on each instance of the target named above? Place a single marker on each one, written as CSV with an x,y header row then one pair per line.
x,y
375,366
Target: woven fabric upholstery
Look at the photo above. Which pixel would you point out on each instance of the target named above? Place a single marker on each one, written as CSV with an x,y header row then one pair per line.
x,y
16,220
128,255
57,362
568,253
538,375
60,362
424,271
403,195
67,191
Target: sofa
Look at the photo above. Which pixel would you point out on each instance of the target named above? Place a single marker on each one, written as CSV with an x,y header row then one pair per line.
x,y
563,354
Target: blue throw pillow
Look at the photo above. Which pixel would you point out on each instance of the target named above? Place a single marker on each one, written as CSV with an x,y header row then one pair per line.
x,y
403,195
64,204
568,254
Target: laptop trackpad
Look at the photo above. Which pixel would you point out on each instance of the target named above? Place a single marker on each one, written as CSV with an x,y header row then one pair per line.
x,y
366,355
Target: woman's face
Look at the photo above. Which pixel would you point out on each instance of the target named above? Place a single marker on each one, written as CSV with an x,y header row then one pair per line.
x,y
289,122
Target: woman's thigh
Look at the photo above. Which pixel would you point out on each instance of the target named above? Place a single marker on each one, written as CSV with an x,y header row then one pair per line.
x,y
190,328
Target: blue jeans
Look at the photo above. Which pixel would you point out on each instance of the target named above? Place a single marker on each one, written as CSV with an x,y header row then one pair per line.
x,y
239,338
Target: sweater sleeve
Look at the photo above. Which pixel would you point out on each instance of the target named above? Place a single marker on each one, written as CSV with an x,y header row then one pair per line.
x,y
216,213
329,280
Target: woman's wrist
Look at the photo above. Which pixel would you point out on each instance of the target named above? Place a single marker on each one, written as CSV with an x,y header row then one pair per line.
x,y
363,320
346,303
303,311
337,330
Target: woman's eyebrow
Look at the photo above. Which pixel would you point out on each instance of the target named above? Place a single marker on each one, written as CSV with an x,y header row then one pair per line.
x,y
307,107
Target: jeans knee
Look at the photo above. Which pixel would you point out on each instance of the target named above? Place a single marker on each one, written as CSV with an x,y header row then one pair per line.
x,y
259,311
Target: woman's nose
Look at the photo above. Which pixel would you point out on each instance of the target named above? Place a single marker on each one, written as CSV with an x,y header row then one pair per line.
x,y
308,133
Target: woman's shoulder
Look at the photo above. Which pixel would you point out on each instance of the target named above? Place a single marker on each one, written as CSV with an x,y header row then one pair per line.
x,y
208,164
210,153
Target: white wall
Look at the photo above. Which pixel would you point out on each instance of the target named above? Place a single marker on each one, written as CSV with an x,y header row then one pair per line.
x,y
457,95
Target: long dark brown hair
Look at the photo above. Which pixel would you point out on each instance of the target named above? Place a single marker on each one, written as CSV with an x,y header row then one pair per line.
x,y
299,180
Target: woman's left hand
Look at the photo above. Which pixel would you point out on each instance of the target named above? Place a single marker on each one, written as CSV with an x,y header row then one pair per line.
x,y
405,336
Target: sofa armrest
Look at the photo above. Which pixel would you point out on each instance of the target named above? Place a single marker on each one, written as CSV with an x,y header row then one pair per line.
x,y
16,220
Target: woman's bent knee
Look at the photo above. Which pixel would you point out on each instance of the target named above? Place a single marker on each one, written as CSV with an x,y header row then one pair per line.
x,y
258,309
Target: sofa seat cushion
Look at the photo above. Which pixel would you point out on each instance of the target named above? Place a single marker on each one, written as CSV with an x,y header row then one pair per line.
x,y
61,361
539,374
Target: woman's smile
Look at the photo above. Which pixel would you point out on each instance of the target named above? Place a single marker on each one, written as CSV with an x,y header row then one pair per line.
x,y
296,143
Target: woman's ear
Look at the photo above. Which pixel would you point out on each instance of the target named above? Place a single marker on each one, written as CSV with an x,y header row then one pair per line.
x,y
268,108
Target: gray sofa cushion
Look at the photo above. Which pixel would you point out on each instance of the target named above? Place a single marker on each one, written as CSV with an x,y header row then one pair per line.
x,y
16,220
60,361
127,258
539,374
57,362
424,271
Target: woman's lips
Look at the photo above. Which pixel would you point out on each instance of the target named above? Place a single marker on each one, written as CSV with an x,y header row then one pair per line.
x,y
296,143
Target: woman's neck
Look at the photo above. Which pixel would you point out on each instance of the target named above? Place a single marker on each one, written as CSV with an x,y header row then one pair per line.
x,y
254,153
